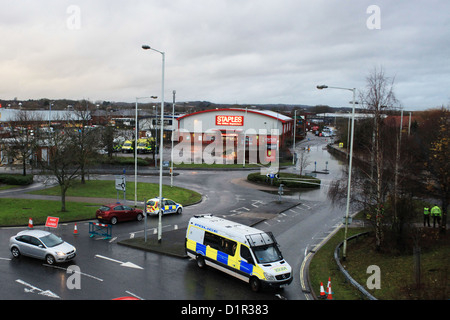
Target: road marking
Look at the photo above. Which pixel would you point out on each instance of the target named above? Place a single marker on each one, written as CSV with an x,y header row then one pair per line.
x,y
112,240
32,289
132,294
7,259
123,264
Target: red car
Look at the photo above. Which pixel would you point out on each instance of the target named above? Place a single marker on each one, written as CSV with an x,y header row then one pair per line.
x,y
116,212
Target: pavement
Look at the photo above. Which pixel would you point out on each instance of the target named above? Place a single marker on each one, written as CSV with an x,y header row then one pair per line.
x,y
172,242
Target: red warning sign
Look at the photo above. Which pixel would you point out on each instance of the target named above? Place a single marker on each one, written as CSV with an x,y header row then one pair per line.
x,y
52,222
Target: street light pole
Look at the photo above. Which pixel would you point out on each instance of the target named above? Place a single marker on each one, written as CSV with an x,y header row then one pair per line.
x,y
344,254
171,153
147,47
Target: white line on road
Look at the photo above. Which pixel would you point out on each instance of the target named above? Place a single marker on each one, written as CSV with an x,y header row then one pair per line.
x,y
32,289
82,273
123,264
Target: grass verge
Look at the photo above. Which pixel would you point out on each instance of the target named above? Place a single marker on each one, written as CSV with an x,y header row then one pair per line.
x,y
17,211
399,273
106,189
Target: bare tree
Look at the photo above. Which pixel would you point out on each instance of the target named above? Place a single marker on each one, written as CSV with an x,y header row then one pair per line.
x,y
23,141
85,139
370,180
62,162
378,98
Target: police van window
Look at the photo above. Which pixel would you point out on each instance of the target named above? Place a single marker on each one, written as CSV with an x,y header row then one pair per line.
x,y
245,253
229,246
220,243
212,240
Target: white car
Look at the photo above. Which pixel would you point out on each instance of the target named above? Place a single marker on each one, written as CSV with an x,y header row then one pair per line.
x,y
42,245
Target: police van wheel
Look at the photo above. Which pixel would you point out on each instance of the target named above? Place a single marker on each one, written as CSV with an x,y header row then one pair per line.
x,y
255,284
179,211
201,261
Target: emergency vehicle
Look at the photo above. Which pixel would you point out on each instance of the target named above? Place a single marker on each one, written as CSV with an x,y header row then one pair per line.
x,y
144,146
128,146
169,206
244,252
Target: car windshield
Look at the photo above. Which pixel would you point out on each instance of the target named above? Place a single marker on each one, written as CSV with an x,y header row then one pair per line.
x,y
51,240
266,254
104,208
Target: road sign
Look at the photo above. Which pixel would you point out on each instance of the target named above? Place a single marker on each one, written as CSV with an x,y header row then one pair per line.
x,y
121,184
52,222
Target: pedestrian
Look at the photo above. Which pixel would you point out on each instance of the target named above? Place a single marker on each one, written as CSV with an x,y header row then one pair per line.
x,y
426,216
436,214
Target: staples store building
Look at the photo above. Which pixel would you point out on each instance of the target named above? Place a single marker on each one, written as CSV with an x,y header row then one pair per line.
x,y
234,126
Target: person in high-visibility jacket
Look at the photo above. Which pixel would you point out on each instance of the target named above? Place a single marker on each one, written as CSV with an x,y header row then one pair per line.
x,y
436,214
426,216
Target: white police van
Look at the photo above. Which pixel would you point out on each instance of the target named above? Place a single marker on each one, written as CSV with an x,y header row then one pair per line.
x,y
241,251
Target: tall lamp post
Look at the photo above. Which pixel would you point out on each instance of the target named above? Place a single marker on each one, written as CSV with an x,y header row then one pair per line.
x,y
344,256
147,47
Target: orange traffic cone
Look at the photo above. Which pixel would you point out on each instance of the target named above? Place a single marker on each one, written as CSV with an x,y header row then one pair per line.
x,y
330,294
329,282
322,291
30,223
75,230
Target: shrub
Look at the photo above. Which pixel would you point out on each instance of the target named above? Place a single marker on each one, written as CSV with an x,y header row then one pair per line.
x,y
299,182
16,179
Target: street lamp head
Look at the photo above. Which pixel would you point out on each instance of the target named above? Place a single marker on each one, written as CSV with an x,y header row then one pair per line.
x,y
146,47
322,87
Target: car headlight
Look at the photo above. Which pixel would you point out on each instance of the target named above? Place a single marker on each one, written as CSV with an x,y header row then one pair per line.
x,y
269,277
60,253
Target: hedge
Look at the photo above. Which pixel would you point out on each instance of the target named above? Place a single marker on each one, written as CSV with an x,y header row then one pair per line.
x,y
16,179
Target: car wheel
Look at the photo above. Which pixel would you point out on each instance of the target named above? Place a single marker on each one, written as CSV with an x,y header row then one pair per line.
x,y
50,259
15,252
255,284
201,261
113,220
139,217
179,211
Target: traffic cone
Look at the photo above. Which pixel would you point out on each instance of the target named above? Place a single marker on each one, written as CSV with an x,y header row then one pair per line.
x,y
330,294
75,230
322,291
30,223
329,282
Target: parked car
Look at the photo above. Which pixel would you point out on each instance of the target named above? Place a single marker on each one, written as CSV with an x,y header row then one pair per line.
x,y
168,206
116,212
41,245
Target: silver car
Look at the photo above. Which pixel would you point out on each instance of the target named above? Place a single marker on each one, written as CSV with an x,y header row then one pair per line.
x,y
42,245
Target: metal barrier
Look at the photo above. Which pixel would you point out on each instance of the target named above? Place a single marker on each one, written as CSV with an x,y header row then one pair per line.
x,y
100,229
346,274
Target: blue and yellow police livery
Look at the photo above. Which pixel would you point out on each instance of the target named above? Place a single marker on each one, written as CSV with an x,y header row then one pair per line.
x,y
241,251
168,206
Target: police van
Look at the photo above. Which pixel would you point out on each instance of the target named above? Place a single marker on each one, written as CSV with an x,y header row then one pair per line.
x,y
241,251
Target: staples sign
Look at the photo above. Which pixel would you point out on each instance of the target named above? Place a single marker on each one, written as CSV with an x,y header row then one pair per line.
x,y
229,120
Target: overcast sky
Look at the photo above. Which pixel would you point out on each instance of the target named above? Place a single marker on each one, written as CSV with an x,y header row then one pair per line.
x,y
224,51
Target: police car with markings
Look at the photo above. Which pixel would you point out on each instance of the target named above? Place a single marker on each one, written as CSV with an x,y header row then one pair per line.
x,y
168,206
236,249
